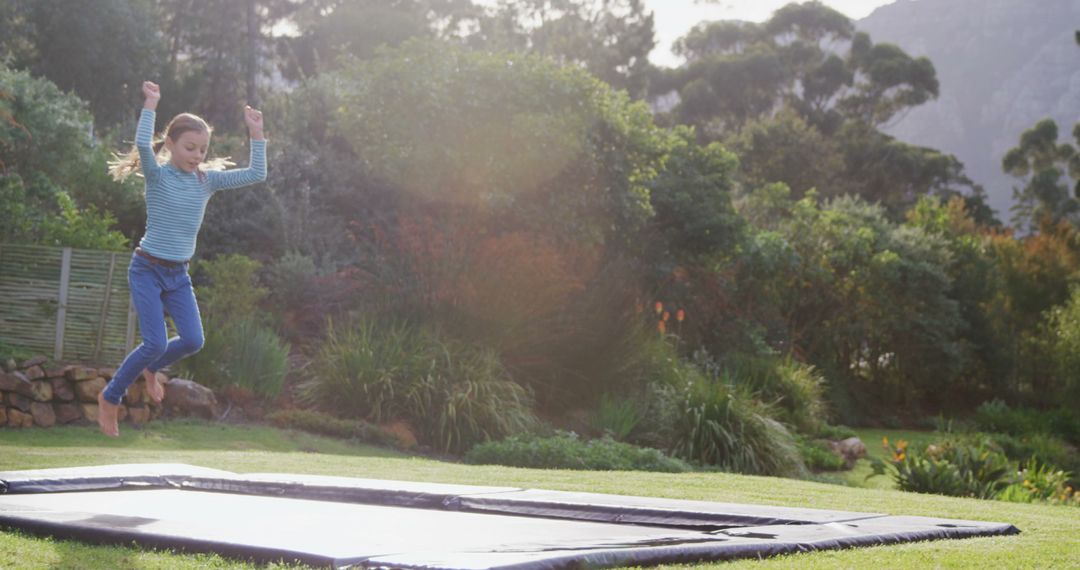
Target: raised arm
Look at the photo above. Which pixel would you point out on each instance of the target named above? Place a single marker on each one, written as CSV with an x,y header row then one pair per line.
x,y
144,134
256,170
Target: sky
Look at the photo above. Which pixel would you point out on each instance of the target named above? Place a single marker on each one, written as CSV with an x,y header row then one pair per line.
x,y
673,18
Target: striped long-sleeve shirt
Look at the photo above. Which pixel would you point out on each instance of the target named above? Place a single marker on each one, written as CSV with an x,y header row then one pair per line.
x,y
176,200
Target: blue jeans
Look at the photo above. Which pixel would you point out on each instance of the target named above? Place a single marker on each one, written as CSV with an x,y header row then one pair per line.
x,y
156,289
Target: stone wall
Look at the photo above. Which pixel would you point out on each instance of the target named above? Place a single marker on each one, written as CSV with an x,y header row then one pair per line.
x,y
36,393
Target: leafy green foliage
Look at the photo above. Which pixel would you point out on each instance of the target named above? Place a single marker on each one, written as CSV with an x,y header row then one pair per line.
x,y
232,293
83,229
715,422
102,51
1041,482
996,416
617,417
1061,334
1043,162
796,390
952,467
239,354
520,138
692,198
565,450
818,456
453,394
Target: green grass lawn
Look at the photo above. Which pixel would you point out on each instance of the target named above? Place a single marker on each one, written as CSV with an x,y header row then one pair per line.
x,y
1048,539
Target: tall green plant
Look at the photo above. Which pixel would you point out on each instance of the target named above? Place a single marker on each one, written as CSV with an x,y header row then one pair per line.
x,y
241,354
720,425
454,394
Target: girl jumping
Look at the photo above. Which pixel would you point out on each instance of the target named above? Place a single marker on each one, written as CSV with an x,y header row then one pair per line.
x,y
176,196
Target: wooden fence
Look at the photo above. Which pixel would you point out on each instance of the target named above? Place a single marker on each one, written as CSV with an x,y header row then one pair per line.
x,y
71,304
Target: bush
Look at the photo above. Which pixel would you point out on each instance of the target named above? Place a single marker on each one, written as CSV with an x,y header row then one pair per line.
x,y
455,395
242,354
325,424
1043,448
796,389
718,424
826,431
960,468
565,450
1043,483
996,416
232,293
818,456
617,417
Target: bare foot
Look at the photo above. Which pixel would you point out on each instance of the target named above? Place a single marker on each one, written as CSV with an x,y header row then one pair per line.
x,y
153,387
106,417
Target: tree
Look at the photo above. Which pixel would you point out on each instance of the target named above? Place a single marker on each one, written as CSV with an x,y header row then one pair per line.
x,y
100,49
786,148
330,29
803,96
1043,162
46,159
609,38
206,55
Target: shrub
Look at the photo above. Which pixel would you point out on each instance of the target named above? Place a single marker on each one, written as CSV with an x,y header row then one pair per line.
x,y
324,424
232,293
996,416
1041,482
959,467
456,395
1047,448
242,354
617,416
796,389
826,431
718,424
565,450
818,456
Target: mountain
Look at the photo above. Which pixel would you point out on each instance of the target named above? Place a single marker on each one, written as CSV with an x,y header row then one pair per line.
x,y
1002,64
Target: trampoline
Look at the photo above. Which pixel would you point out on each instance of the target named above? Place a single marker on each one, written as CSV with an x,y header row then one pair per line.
x,y
343,522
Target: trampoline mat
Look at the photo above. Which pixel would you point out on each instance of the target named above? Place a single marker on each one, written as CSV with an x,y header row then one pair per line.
x,y
364,523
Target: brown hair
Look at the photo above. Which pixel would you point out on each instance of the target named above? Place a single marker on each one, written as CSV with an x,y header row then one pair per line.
x,y
128,164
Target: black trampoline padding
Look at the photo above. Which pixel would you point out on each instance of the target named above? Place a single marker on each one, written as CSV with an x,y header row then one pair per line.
x,y
344,522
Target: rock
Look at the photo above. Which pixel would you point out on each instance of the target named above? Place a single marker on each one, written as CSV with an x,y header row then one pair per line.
x,y
55,372
121,413
136,393
3,414
190,398
106,373
62,389
18,419
9,365
43,414
34,373
89,411
35,361
87,390
67,413
851,449
19,401
43,391
16,382
80,373
139,415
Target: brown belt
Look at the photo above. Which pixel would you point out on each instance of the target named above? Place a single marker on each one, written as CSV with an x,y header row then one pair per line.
x,y
162,262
